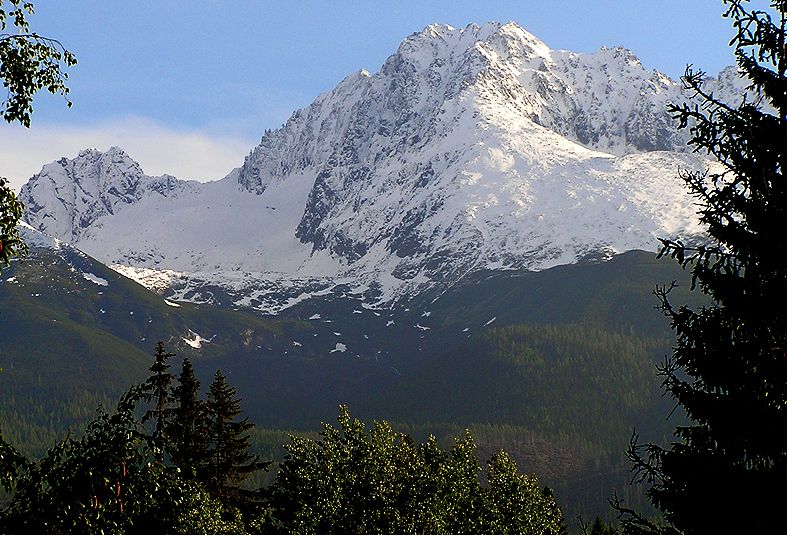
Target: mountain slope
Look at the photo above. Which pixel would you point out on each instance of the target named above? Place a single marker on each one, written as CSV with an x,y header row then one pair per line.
x,y
552,365
76,334
474,148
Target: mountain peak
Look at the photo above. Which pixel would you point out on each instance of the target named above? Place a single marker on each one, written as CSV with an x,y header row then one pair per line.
x,y
114,150
516,31
67,196
619,53
447,41
436,29
471,148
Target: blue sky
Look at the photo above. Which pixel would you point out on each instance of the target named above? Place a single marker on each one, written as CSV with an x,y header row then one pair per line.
x,y
187,87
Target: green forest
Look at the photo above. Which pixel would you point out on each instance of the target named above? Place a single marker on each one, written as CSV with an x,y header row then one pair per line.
x,y
168,460
519,387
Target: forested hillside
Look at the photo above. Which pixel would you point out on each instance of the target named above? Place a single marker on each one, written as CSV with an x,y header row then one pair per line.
x,y
557,367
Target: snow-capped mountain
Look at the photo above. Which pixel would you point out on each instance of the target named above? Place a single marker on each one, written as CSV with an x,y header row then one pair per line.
x,y
471,148
71,195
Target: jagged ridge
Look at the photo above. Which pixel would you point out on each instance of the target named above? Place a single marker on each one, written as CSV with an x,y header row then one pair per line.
x,y
471,148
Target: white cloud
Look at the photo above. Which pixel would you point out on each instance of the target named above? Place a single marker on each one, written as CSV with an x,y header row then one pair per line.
x,y
186,154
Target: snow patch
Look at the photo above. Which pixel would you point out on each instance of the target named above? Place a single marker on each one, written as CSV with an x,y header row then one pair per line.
x,y
195,340
95,279
156,280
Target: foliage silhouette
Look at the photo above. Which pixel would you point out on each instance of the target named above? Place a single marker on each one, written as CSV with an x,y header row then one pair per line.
x,y
728,369
29,62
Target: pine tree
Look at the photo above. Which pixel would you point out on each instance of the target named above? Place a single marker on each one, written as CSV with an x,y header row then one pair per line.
x,y
157,390
188,426
726,471
229,460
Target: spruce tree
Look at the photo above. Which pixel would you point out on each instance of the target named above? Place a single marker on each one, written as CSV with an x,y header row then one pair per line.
x,y
156,389
188,426
229,460
726,471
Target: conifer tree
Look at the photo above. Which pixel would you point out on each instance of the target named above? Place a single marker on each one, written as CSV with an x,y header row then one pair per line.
x,y
229,459
157,390
188,428
727,469
105,482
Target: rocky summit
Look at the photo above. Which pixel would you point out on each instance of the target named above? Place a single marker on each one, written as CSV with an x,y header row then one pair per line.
x,y
475,148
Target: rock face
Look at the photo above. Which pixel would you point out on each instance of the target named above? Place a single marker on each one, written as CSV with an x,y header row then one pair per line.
x,y
471,148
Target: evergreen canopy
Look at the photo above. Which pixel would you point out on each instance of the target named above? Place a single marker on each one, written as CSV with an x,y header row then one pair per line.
x,y
726,471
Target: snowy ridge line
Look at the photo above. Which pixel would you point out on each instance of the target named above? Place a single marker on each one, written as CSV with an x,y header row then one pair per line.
x,y
474,148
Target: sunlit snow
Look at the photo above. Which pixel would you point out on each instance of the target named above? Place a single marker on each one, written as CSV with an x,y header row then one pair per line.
x,y
95,279
514,156
195,340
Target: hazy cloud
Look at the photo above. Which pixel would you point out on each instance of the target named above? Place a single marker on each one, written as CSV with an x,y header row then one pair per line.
x,y
186,154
